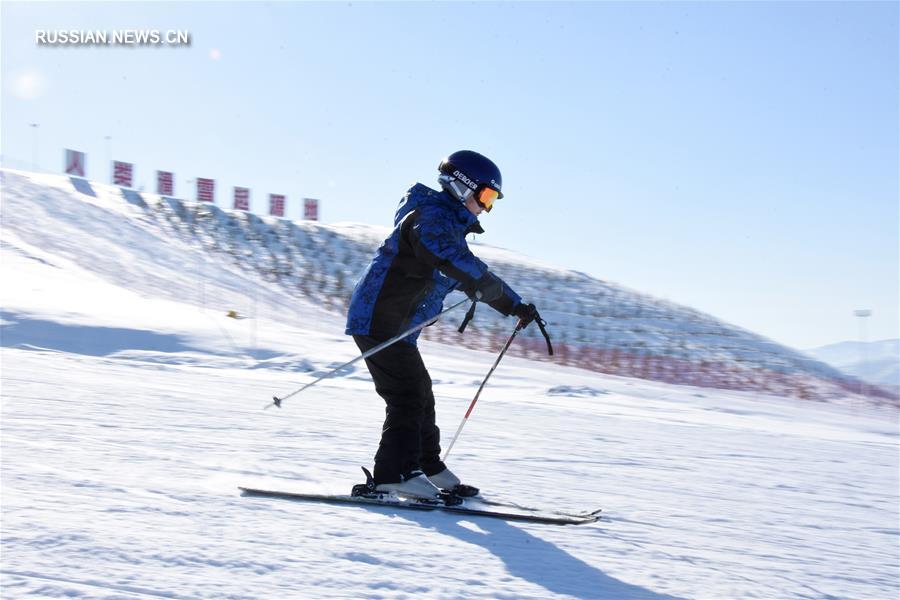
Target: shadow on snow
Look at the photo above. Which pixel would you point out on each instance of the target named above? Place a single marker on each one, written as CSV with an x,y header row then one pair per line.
x,y
21,331
534,559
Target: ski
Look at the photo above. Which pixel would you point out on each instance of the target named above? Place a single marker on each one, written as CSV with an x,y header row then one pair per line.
x,y
515,506
391,501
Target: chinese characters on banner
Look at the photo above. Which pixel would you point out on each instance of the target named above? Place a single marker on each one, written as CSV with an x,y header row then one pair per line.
x,y
74,163
276,205
165,183
123,174
242,198
206,190
310,209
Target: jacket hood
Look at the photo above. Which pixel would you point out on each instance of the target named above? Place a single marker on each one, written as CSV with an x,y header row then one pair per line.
x,y
420,194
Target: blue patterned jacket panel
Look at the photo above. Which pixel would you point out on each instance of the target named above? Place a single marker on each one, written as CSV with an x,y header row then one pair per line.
x,y
423,259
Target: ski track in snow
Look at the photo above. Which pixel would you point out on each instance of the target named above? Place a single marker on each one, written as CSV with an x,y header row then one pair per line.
x,y
130,415
121,479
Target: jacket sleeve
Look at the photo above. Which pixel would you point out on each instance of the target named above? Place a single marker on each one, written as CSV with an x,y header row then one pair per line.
x,y
436,244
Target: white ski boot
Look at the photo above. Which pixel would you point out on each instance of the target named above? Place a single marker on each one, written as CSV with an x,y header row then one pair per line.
x,y
445,480
449,482
417,485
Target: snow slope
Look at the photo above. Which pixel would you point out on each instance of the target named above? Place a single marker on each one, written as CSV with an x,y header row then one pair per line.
x,y
875,362
132,407
595,324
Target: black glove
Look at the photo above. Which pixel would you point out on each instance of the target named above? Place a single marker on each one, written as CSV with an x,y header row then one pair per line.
x,y
527,313
487,289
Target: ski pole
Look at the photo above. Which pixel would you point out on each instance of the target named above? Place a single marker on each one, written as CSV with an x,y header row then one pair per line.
x,y
277,401
519,326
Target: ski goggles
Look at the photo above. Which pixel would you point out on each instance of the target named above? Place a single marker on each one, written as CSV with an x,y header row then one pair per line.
x,y
486,196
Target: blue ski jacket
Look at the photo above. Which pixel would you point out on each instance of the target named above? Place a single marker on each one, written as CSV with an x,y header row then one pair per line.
x,y
424,259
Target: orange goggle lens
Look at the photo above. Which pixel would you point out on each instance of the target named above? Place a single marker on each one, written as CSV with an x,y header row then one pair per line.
x,y
486,197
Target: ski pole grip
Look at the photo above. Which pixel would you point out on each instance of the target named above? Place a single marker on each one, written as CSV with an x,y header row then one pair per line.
x,y
469,315
542,324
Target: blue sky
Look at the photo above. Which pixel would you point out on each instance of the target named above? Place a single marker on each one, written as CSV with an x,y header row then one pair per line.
x,y
740,158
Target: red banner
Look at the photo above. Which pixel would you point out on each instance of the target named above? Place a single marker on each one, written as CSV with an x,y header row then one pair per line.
x,y
123,174
310,209
165,183
74,163
206,190
276,205
241,198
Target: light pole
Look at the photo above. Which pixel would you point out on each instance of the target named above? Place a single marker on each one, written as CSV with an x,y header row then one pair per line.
x,y
864,351
34,146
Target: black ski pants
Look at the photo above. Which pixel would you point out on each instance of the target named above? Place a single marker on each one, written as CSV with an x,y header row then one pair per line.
x,y
410,439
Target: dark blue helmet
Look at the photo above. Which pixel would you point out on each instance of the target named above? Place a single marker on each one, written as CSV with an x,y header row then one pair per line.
x,y
473,170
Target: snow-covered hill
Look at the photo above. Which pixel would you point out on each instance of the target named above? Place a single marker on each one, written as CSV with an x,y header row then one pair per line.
x,y
873,362
132,408
595,324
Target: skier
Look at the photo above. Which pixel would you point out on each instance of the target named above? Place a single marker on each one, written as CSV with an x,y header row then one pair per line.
x,y
424,259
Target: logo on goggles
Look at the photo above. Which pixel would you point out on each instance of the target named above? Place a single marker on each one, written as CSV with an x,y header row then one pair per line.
x,y
459,175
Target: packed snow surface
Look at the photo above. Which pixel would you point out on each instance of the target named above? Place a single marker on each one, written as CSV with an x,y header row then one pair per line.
x,y
132,410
